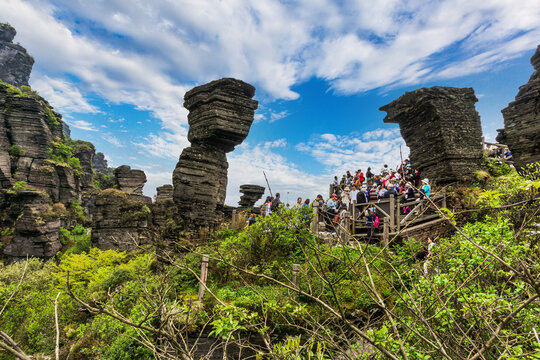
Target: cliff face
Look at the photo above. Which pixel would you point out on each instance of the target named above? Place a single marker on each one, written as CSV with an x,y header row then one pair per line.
x,y
442,129
220,116
522,119
15,63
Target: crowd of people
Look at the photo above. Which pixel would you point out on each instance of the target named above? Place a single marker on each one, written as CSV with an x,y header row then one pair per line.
x,y
361,188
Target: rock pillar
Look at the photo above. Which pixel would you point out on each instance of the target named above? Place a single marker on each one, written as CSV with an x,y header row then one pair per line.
x,y
220,116
442,130
251,193
522,120
15,63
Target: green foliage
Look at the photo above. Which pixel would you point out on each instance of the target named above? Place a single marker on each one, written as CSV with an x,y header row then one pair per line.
x,y
127,348
497,168
50,118
16,151
103,181
292,348
62,154
79,146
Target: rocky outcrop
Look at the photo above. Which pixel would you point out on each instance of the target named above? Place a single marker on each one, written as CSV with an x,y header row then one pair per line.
x,y
220,116
100,164
15,63
442,130
522,120
130,181
164,193
251,193
85,152
122,217
121,221
34,226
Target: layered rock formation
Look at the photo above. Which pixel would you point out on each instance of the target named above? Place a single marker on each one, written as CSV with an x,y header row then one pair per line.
x,y
28,129
130,181
99,163
164,193
442,130
220,116
251,193
15,63
522,120
122,218
34,226
120,221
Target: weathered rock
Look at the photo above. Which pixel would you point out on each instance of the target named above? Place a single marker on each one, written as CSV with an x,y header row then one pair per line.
x,y
85,152
251,193
35,226
130,181
522,120
15,63
220,113
164,193
100,164
121,221
220,116
442,130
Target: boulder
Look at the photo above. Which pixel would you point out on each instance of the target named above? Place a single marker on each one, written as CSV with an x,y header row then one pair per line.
x,y
441,127
522,120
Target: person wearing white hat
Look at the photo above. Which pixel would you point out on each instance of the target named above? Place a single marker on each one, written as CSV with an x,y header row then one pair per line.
x,y
426,189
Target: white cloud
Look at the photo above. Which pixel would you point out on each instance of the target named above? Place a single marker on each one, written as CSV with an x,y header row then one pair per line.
x,y
83,125
62,94
340,153
113,140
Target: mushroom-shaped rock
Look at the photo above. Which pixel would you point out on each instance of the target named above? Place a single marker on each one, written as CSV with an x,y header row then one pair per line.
x,y
251,193
442,129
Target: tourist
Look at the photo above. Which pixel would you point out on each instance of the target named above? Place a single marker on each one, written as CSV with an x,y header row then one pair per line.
x,y
361,196
298,203
276,203
425,190
370,218
373,193
332,205
389,191
353,193
252,219
508,155
369,174
346,197
416,178
409,192
335,184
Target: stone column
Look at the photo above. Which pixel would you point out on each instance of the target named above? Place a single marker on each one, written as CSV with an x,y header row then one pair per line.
x,y
522,120
220,116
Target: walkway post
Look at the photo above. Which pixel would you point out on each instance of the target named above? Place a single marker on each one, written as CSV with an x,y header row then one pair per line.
x,y
398,216
315,218
386,233
296,270
392,211
204,274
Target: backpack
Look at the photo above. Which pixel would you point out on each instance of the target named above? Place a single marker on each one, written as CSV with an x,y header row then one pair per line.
x,y
376,221
274,205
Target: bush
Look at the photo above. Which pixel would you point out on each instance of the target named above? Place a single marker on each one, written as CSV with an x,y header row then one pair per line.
x,y
16,151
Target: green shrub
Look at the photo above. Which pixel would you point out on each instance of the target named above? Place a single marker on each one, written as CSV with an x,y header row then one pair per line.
x,y
126,348
16,151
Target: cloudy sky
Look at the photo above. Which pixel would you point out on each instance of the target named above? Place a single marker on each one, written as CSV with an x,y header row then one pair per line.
x,y
118,70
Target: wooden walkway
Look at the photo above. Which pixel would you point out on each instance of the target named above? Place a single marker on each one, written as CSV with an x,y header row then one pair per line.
x,y
395,214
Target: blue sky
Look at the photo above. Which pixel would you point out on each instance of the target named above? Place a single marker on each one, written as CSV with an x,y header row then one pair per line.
x,y
118,69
